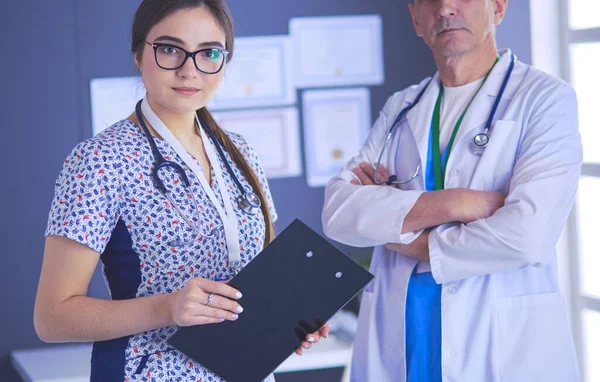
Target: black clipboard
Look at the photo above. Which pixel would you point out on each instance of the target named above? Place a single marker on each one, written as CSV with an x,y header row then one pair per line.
x,y
296,284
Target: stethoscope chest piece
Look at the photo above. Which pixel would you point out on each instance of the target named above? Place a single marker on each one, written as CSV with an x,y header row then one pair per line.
x,y
479,143
249,203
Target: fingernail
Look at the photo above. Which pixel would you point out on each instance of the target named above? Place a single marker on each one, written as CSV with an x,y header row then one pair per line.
x,y
234,316
238,295
221,319
310,339
240,309
305,346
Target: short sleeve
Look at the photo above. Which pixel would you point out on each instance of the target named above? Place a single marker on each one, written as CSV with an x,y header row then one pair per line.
x,y
251,156
85,207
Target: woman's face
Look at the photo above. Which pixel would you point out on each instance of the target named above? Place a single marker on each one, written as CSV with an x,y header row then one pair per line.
x,y
186,89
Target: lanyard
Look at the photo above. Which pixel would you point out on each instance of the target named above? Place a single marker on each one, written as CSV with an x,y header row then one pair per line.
x,y
440,160
229,219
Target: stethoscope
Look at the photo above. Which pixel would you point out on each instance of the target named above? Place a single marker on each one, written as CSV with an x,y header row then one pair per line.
x,y
248,201
477,145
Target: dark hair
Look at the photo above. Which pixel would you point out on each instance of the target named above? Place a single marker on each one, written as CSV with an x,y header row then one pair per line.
x,y
150,13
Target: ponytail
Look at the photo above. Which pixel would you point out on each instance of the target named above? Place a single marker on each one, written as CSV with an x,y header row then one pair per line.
x,y
240,161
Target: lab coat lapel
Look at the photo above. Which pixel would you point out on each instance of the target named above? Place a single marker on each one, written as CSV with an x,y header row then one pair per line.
x,y
481,107
419,118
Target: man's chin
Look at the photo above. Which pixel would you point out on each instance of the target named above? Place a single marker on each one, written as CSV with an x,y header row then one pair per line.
x,y
452,50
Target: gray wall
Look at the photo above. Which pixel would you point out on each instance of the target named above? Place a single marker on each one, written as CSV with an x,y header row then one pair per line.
x,y
50,51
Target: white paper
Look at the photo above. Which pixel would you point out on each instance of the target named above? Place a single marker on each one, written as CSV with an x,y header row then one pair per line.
x,y
336,51
273,133
259,75
113,99
336,124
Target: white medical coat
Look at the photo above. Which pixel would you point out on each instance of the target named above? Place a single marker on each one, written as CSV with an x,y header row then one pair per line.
x,y
503,317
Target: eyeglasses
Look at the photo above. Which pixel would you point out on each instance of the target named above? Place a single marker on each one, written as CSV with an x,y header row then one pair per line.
x,y
171,57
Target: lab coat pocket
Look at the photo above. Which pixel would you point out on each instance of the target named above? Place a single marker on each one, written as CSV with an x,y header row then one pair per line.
x,y
494,170
532,340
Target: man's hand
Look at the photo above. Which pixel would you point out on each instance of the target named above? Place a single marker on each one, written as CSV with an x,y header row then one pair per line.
x,y
463,204
366,174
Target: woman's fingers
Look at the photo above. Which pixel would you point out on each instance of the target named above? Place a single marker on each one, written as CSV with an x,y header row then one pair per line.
x,y
219,295
200,320
219,288
204,301
313,338
220,302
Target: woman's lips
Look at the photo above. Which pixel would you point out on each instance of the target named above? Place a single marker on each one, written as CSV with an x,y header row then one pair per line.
x,y
186,91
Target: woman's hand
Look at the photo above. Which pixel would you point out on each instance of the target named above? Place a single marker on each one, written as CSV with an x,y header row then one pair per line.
x,y
313,338
204,301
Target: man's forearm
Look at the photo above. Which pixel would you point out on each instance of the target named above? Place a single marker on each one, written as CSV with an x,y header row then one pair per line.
x,y
418,249
453,205
433,209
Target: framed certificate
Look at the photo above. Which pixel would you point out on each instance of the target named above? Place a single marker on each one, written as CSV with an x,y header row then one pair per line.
x,y
273,133
336,124
259,75
336,51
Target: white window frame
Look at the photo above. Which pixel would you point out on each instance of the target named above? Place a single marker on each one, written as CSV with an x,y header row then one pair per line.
x,y
551,37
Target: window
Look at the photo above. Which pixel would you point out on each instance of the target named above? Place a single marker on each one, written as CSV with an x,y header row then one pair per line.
x,y
566,42
578,53
585,78
583,14
589,240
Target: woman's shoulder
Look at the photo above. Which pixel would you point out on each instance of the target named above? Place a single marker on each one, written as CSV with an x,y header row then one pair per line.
x,y
105,148
110,140
238,139
242,145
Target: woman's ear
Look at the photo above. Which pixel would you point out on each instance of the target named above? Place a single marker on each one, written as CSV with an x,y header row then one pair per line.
x,y
138,63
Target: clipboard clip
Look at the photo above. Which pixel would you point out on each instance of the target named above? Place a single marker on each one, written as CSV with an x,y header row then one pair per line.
x,y
235,267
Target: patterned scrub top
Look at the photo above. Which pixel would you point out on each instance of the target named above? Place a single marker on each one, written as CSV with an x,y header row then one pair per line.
x,y
105,198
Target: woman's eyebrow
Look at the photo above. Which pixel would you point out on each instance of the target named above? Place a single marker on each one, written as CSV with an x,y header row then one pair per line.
x,y
181,42
211,43
169,39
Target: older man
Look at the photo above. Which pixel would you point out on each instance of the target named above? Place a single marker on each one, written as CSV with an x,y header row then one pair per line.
x,y
463,187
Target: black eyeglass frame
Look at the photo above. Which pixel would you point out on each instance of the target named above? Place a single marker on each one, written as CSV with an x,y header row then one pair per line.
x,y
157,45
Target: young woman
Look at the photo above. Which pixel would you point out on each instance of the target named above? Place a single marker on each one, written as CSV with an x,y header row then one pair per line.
x,y
171,204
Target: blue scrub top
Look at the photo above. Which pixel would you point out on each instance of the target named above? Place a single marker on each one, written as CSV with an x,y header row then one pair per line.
x,y
423,312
